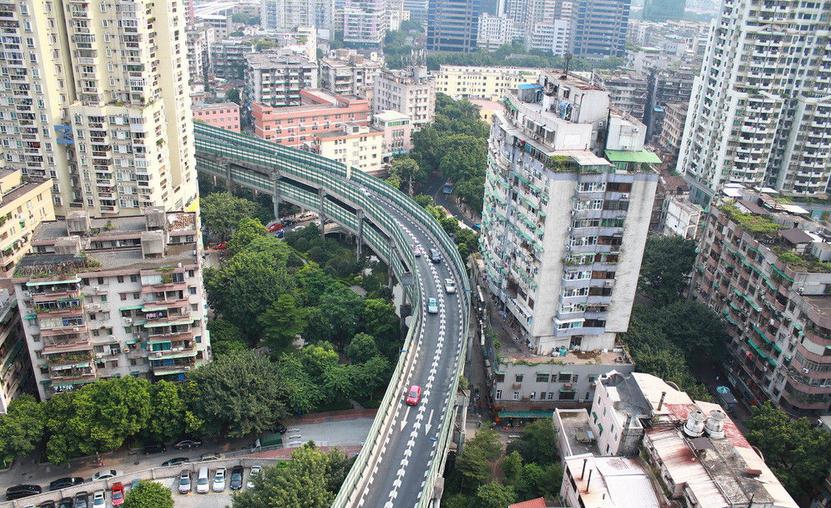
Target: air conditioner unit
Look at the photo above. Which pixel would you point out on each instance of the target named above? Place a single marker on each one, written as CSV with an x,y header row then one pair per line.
x,y
99,355
624,196
128,321
187,368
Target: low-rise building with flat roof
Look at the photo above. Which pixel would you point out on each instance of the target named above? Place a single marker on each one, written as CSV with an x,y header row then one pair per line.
x,y
121,296
319,113
224,115
356,146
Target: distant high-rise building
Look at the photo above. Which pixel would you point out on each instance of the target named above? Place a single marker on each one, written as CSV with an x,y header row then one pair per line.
x,y
287,14
495,31
662,10
417,10
96,97
598,28
759,115
452,25
365,22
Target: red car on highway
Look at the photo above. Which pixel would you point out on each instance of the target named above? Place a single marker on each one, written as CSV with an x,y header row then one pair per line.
x,y
413,396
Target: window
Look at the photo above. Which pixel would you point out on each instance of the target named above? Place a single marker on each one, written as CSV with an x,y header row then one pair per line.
x,y
564,377
120,278
123,296
542,378
133,278
542,395
498,394
519,377
500,378
103,298
516,395
192,290
567,395
550,395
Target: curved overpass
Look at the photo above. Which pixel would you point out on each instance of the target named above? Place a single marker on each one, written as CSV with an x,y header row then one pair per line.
x,y
405,450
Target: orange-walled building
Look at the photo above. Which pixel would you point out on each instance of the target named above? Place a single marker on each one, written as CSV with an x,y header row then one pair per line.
x,y
224,115
320,113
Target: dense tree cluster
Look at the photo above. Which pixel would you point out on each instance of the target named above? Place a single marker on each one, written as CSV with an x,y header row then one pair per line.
x,y
668,334
311,480
529,468
149,494
400,44
798,452
516,55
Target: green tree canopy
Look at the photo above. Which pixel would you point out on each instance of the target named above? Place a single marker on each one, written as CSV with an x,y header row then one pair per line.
x,y
233,95
798,452
537,443
281,323
225,337
310,480
248,230
667,262
21,428
495,495
221,213
361,348
148,494
167,412
408,171
237,395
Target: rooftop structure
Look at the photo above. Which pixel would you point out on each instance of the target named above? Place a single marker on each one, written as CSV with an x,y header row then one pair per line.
x,y
113,297
699,455
600,482
347,72
320,112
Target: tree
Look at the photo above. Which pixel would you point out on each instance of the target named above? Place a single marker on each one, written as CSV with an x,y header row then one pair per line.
x,y
304,393
309,480
694,329
167,412
237,395
222,212
336,316
62,444
282,322
535,480
379,320
109,411
476,463
361,348
408,170
248,230
249,282
798,452
512,467
537,443
225,338
21,428
495,495
233,95
667,262
148,494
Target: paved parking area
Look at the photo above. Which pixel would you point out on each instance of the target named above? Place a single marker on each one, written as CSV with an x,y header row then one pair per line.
x,y
194,500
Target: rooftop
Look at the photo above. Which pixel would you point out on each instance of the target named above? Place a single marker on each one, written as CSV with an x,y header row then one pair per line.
x,y
564,356
270,60
577,434
531,503
612,481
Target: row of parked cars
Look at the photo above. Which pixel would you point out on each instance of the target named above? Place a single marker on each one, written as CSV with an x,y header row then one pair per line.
x,y
97,499
204,484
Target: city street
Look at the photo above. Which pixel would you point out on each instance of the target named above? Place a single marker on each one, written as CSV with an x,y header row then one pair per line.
x,y
337,428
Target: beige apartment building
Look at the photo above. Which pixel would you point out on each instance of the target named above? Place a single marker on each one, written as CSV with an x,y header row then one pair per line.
x,y
409,91
96,97
23,205
109,297
355,145
489,83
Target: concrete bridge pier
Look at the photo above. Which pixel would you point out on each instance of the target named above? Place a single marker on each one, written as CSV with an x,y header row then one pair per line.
x,y
359,238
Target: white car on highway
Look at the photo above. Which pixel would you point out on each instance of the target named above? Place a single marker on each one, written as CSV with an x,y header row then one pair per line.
x,y
449,286
219,480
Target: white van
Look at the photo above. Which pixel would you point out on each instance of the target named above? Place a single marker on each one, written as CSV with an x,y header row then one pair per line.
x,y
203,481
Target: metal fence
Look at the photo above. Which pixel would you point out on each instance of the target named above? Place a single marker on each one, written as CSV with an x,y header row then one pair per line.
x,y
265,167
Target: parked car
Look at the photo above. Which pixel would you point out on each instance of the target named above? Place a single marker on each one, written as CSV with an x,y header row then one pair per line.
x,y
105,475
209,456
49,504
449,286
413,396
81,500
117,494
154,448
187,444
432,306
219,480
203,481
236,477
19,491
255,472
274,227
66,503
176,461
63,483
184,482
98,499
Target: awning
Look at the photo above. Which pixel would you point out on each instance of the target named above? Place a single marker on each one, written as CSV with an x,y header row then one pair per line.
x,y
535,413
53,282
130,307
168,323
